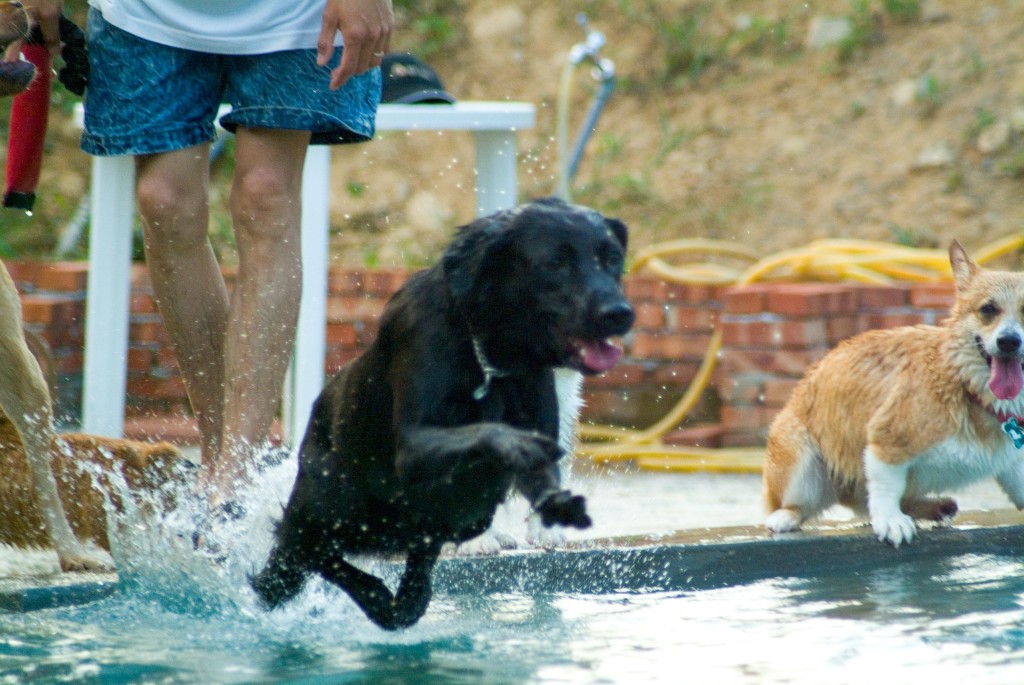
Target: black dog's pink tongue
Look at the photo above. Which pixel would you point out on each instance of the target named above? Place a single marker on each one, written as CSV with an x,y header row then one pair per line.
x,y
601,355
1006,378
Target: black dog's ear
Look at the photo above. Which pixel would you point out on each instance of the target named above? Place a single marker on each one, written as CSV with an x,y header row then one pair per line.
x,y
619,230
466,258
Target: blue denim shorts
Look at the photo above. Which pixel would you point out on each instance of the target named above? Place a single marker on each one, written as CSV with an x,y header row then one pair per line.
x,y
144,97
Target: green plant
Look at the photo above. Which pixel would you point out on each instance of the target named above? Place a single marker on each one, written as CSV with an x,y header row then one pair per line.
x,y
612,194
608,147
954,179
428,28
687,47
982,120
1014,165
371,257
929,93
862,30
670,140
221,231
222,235
911,237
759,36
976,66
903,10
685,51
434,33
748,194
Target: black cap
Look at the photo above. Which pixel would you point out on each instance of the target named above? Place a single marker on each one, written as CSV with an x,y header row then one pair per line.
x,y
407,80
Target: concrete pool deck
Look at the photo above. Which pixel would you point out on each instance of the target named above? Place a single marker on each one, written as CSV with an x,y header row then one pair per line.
x,y
721,557
652,532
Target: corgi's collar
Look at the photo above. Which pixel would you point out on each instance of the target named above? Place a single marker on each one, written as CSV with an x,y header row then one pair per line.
x,y
1001,416
1012,424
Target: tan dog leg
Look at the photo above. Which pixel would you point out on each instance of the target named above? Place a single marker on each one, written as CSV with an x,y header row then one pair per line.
x,y
25,399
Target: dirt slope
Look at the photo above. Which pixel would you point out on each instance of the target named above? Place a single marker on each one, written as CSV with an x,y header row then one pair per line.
x,y
774,146
915,136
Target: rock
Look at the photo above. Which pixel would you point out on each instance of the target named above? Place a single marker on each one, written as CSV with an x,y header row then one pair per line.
x,y
963,207
386,188
993,138
904,93
506,23
935,156
824,31
426,211
794,146
1017,119
932,11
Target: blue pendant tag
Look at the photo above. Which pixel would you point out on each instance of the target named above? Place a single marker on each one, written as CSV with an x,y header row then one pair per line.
x,y
1016,433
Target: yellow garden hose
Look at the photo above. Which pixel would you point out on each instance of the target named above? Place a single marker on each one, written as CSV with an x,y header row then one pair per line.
x,y
822,260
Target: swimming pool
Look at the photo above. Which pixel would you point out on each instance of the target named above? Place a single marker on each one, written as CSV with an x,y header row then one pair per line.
x,y
653,613
722,606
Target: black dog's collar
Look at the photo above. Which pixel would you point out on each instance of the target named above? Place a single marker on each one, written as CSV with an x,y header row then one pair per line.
x,y
490,372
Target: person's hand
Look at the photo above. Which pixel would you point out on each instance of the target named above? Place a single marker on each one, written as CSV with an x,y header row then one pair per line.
x,y
365,27
46,13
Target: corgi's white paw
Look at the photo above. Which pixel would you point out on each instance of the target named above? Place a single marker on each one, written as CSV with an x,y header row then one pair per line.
x,y
783,521
895,529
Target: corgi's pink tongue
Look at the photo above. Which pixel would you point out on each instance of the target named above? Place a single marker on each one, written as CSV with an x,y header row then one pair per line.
x,y
1006,378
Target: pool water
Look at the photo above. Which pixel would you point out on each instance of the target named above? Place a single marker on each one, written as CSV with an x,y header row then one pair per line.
x,y
182,618
959,619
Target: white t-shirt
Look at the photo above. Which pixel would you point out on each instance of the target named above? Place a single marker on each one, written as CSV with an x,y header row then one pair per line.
x,y
231,27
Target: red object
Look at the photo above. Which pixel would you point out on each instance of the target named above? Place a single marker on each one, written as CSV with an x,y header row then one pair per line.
x,y
27,132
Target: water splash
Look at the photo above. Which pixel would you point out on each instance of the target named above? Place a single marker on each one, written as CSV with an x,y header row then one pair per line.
x,y
152,541
185,615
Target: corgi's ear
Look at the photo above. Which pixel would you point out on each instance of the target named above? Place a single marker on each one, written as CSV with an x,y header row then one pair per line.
x,y
964,267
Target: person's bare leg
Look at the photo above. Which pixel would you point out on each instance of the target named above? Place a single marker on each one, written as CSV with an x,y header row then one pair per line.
x,y
172,192
232,355
266,211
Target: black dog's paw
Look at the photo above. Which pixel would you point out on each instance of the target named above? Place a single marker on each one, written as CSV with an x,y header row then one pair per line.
x,y
564,508
524,451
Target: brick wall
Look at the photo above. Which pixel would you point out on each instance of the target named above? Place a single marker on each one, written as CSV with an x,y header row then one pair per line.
x,y
771,334
53,308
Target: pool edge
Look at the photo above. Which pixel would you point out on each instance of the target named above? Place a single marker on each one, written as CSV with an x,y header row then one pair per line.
x,y
720,557
682,560
31,593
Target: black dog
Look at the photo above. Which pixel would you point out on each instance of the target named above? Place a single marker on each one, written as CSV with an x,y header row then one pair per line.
x,y
416,442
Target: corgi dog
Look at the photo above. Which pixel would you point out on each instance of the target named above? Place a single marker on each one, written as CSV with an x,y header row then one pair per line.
x,y
890,420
